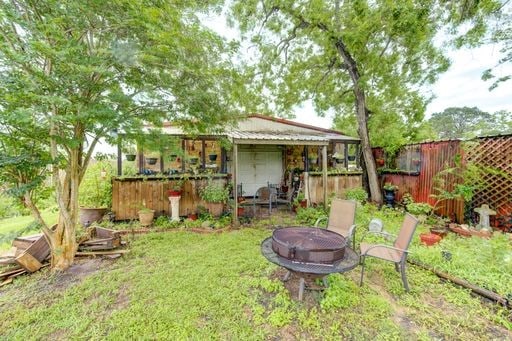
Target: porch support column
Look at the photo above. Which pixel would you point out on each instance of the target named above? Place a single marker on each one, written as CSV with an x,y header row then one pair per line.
x,y
324,173
119,159
235,184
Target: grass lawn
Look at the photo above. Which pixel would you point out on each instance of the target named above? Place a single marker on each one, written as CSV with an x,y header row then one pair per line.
x,y
17,223
183,285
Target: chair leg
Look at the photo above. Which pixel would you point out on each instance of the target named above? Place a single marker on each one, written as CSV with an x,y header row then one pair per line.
x,y
287,276
396,267
362,270
404,277
302,284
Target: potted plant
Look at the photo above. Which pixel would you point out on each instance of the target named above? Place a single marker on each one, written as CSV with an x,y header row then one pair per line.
x,y
389,193
380,162
313,158
151,160
338,157
212,157
193,160
146,215
177,187
95,193
215,195
130,153
300,201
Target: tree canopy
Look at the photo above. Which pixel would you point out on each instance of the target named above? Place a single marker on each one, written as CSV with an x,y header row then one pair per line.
x,y
73,72
357,59
468,122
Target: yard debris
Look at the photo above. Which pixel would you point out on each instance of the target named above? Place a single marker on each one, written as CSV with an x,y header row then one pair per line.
x,y
31,253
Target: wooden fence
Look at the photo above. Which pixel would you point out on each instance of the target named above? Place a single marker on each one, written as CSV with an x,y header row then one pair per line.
x,y
336,183
130,194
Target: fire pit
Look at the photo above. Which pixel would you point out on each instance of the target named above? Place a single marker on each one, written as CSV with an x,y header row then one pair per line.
x,y
309,253
308,245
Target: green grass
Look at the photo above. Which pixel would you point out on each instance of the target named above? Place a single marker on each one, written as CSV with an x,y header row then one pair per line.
x,y
181,285
17,223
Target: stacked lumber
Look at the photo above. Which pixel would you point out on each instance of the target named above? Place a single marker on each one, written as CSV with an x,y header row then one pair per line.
x,y
101,239
31,253
28,254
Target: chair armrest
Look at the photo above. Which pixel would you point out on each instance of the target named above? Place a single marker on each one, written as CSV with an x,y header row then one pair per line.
x,y
385,246
319,220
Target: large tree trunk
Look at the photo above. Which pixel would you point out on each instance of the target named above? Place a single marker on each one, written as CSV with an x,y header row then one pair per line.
x,y
362,122
62,239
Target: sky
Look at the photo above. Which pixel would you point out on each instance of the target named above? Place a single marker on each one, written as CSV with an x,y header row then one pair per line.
x,y
460,86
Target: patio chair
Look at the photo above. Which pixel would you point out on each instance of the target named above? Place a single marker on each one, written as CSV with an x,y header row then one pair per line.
x,y
341,219
278,197
262,197
396,253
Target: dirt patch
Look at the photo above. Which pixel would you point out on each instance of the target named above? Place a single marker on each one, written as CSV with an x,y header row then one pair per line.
x,y
122,299
312,293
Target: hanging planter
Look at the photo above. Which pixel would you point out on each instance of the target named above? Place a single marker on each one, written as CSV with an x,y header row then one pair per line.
x,y
351,158
130,157
212,157
173,157
151,160
193,160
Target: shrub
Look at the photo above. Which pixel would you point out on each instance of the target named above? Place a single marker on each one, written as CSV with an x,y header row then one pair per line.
x,y
418,208
358,194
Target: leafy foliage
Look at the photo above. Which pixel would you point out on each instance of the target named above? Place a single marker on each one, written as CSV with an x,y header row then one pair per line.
x,y
358,194
468,122
96,186
214,192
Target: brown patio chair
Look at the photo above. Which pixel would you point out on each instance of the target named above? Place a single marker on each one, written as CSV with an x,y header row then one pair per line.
x,y
342,216
262,198
396,253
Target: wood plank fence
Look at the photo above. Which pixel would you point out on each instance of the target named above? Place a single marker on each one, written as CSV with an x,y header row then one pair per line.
x,y
130,194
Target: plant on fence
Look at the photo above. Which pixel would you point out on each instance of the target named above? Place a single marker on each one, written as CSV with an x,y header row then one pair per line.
x,y
358,194
214,192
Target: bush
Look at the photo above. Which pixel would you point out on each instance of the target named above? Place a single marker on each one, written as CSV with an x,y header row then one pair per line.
x,y
308,216
419,208
358,194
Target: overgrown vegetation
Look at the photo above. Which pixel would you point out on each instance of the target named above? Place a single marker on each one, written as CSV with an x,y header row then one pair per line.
x,y
219,286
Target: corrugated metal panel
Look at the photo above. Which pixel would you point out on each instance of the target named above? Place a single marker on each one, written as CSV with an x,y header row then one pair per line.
x,y
435,157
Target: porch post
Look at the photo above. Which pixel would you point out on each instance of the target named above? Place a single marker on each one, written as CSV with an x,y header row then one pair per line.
x,y
119,159
235,184
324,173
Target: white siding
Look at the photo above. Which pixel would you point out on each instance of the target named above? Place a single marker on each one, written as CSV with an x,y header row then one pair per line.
x,y
258,166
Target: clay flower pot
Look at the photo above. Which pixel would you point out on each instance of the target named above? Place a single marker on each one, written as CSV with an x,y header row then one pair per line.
x,y
174,193
430,239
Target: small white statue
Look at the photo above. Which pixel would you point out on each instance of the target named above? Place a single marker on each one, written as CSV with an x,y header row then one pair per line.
x,y
484,211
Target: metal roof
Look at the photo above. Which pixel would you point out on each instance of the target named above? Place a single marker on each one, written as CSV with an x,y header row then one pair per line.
x,y
263,130
255,137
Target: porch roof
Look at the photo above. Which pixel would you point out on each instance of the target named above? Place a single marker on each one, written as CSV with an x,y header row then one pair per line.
x,y
260,129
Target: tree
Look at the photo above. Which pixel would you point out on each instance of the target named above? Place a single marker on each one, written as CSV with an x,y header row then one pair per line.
x,y
72,72
468,122
352,57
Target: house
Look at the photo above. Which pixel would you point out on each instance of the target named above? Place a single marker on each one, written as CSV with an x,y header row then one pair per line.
x,y
264,151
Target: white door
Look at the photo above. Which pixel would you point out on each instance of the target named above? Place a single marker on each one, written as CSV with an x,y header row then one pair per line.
x,y
258,166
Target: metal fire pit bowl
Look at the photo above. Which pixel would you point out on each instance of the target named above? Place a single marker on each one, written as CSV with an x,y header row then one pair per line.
x,y
308,245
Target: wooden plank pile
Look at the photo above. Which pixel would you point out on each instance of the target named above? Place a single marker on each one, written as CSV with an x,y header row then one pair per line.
x,y
31,253
27,255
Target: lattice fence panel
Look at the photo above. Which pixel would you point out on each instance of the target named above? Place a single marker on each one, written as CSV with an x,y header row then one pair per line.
x,y
496,153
